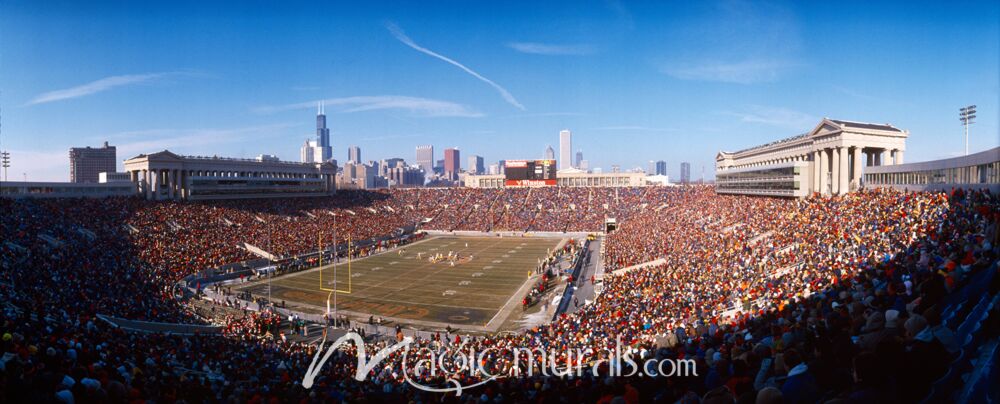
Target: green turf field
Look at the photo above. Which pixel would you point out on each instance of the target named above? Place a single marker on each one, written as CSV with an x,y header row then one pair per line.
x,y
399,285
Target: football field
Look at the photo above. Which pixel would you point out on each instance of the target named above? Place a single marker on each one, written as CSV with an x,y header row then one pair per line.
x,y
406,284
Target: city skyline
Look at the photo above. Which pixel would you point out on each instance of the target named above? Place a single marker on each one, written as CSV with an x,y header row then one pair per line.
x,y
161,77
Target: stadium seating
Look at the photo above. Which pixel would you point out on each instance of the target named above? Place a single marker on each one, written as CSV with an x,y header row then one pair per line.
x,y
797,279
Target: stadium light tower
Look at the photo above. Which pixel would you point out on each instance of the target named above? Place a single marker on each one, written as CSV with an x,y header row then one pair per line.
x,y
5,158
967,116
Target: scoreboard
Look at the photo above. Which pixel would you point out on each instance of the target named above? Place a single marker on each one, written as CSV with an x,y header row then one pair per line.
x,y
529,173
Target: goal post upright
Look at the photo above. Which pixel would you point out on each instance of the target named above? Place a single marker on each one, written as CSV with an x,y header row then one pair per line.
x,y
322,286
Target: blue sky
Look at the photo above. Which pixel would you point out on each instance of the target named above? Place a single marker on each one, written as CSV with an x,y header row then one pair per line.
x,y
634,81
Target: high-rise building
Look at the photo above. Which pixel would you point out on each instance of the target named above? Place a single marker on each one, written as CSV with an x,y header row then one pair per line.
x,y
502,167
361,176
494,169
475,165
323,136
685,172
615,168
403,176
306,152
86,163
565,149
584,165
660,168
579,158
388,164
354,154
452,163
319,150
425,159
549,153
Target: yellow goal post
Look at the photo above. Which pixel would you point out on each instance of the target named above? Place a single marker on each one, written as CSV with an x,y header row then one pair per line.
x,y
322,286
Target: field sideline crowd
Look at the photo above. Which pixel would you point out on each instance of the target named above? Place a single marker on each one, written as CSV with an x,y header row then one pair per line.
x,y
842,299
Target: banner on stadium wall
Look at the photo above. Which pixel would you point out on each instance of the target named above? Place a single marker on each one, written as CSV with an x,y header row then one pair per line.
x,y
530,183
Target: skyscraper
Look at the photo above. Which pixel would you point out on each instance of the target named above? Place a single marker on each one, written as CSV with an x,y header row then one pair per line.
x,y
306,152
354,154
549,153
87,163
475,165
452,163
661,168
319,150
425,159
565,149
325,152
579,159
685,172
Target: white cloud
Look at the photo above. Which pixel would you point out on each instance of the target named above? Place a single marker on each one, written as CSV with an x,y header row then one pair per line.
x,y
742,72
775,116
418,106
550,49
401,36
97,86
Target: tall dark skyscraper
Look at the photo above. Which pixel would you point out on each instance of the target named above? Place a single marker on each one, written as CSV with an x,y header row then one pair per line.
x,y
659,167
323,136
685,172
579,158
319,150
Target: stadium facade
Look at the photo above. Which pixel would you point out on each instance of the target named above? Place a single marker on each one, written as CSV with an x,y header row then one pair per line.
x,y
828,160
975,171
165,175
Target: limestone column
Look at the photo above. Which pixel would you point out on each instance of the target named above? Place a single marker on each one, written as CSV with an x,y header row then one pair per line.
x,y
823,164
154,184
133,176
835,171
843,173
899,157
170,184
147,180
816,172
856,169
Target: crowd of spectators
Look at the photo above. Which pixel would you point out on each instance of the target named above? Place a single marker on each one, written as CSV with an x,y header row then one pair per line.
x,y
794,300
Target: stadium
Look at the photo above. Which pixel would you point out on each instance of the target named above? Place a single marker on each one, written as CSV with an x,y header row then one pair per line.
x,y
811,263
724,278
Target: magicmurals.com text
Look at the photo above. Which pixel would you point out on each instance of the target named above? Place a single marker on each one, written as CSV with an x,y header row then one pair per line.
x,y
447,364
